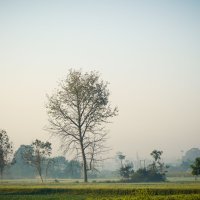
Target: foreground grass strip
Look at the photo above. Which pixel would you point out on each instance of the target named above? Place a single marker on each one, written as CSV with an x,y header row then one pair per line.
x,y
99,197
148,197
42,197
97,191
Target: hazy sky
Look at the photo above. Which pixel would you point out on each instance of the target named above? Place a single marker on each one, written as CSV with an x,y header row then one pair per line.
x,y
149,51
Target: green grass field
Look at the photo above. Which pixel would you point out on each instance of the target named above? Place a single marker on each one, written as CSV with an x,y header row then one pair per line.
x,y
26,189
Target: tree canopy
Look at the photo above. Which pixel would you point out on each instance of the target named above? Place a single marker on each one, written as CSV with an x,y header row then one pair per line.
x,y
37,154
77,113
196,167
6,151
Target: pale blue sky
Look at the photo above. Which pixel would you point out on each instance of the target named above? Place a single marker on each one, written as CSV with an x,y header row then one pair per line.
x,y
148,50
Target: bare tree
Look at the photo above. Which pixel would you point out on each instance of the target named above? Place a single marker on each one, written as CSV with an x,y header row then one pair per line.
x,y
6,151
37,154
77,112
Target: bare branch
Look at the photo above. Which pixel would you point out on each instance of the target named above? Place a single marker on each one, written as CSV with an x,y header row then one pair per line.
x,y
77,112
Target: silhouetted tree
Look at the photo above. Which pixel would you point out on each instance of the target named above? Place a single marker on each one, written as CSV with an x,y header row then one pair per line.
x,y
6,151
77,112
126,170
126,167
153,172
36,155
156,165
157,169
196,167
121,157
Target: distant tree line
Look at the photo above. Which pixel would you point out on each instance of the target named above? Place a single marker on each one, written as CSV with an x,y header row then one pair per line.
x,y
28,164
30,161
35,160
183,166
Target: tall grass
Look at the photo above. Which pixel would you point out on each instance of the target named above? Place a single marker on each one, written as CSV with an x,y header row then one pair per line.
x,y
100,191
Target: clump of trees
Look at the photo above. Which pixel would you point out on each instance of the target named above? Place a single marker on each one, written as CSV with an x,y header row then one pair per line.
x,y
6,151
25,165
154,172
63,168
20,168
126,167
183,167
188,159
77,113
196,168
34,160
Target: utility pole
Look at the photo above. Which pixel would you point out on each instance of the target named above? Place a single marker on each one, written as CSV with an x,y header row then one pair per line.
x,y
138,161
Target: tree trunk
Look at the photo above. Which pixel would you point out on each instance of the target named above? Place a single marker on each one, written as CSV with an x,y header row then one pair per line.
x,y
1,174
82,150
41,178
40,173
121,164
84,164
85,169
47,167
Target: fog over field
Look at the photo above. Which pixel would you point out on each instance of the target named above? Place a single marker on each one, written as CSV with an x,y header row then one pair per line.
x,y
149,52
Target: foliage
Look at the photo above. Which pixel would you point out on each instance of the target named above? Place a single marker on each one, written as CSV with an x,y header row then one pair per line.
x,y
126,167
157,167
77,112
36,155
196,167
126,171
63,168
6,151
55,167
153,173
121,157
20,167
147,175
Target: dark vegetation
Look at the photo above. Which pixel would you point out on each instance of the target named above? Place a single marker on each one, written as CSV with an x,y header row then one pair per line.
x,y
6,151
196,167
97,191
33,160
154,172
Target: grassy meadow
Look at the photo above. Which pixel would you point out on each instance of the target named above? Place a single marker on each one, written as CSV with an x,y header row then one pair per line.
x,y
27,189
